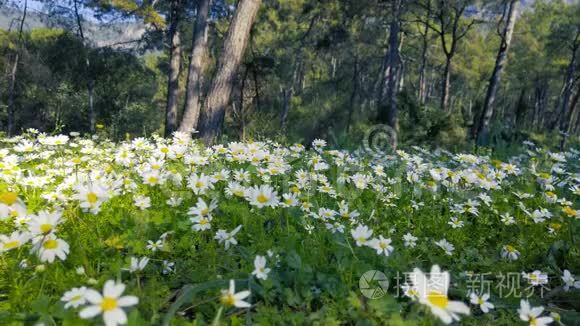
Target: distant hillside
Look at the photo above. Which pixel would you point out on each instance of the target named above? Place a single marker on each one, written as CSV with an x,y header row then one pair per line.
x,y
100,35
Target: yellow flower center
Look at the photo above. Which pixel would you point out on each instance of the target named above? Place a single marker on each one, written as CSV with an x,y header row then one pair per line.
x,y
533,322
480,301
510,248
108,304
204,211
228,299
76,298
92,198
8,198
50,244
45,228
569,211
11,244
262,199
199,184
437,299
152,180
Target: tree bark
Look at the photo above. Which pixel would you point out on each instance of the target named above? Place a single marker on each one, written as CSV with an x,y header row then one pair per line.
x,y
565,121
193,88
13,72
424,53
213,114
91,81
494,82
567,93
353,94
388,113
174,67
446,84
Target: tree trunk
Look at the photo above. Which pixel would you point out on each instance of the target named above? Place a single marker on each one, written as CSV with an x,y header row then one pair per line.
x,y
388,113
423,65
446,84
173,73
91,81
286,99
494,82
193,88
212,117
13,72
567,93
353,94
565,121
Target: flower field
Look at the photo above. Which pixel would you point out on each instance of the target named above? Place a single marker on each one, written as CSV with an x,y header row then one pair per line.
x,y
165,231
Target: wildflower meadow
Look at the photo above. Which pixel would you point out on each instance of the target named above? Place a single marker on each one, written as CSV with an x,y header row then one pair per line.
x,y
166,231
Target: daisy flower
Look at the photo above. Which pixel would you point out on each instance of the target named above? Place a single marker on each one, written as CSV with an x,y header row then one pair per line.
x,y
13,241
262,196
260,269
74,297
91,197
536,277
110,304
231,298
361,234
481,301
200,184
569,280
43,223
446,245
510,253
410,240
432,292
142,202
52,247
154,246
137,264
227,238
531,314
381,245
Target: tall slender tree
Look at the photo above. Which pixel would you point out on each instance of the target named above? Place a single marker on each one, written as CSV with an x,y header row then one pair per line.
x,y
174,68
388,113
218,98
450,27
508,18
193,88
14,71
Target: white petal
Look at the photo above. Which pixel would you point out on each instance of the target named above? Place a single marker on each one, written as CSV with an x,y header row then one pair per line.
x,y
242,304
442,314
242,295
93,296
114,317
90,312
113,290
458,307
127,301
